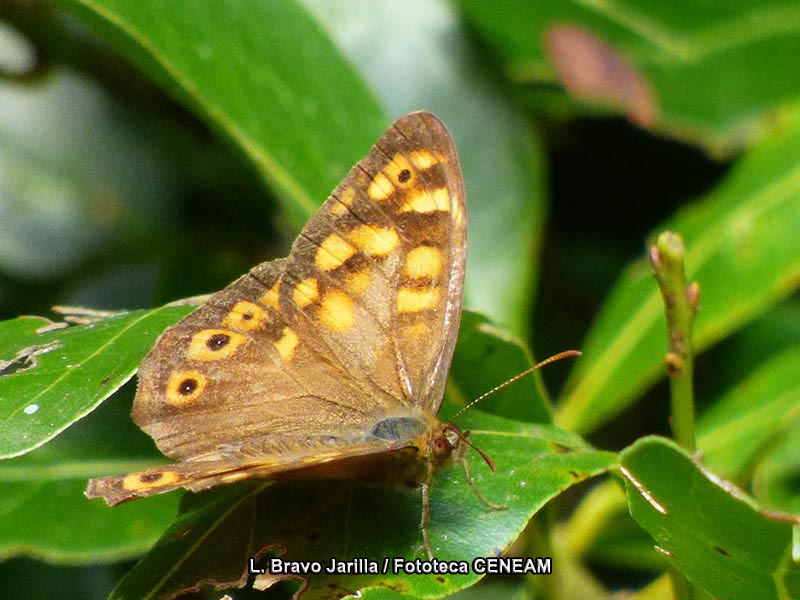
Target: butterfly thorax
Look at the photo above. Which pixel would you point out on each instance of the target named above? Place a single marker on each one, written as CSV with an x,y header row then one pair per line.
x,y
432,439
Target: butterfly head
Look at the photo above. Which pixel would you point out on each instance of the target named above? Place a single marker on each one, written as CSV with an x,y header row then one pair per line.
x,y
442,445
445,444
451,443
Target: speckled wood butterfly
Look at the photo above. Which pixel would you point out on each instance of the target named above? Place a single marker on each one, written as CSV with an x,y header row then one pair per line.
x,y
331,362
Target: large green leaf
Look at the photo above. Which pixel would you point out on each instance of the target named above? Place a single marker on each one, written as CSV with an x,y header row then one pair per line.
x,y
50,378
715,69
743,247
219,532
246,67
707,529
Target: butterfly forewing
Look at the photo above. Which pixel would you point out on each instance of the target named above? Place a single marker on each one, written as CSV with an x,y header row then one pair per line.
x,y
375,280
431,284
294,364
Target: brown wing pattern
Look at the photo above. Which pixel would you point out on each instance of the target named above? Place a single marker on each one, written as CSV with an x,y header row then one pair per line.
x,y
299,358
248,384
386,257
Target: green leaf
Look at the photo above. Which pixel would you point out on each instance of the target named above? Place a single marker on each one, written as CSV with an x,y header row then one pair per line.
x,y
486,356
712,69
302,128
44,514
218,532
50,378
775,480
752,415
708,530
430,62
770,334
743,247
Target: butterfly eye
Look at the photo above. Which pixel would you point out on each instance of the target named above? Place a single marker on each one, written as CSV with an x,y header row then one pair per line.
x,y
441,446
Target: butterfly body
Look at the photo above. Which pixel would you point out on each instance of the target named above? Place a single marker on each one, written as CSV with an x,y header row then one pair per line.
x,y
331,362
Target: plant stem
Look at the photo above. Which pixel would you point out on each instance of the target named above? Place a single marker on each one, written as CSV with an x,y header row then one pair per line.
x,y
680,302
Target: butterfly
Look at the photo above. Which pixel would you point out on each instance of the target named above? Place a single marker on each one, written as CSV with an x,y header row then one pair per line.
x,y
332,362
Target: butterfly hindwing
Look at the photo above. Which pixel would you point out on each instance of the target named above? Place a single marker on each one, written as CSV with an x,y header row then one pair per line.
x,y
202,475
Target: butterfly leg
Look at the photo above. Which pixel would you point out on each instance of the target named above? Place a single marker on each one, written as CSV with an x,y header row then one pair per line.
x,y
472,485
423,522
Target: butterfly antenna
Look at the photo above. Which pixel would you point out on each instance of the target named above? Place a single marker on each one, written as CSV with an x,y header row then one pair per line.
x,y
497,388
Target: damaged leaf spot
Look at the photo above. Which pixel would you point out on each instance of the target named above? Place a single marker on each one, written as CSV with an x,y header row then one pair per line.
x,y
26,359
52,326
85,316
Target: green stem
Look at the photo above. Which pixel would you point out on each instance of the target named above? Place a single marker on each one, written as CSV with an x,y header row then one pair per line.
x,y
680,302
